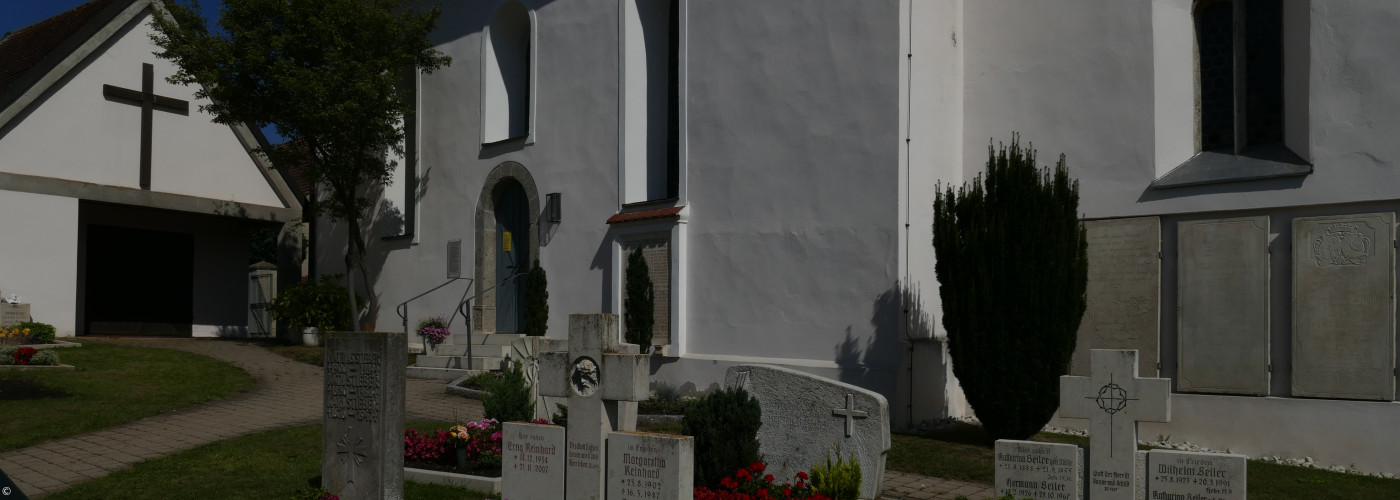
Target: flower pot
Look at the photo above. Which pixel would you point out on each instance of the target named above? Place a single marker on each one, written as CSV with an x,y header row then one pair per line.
x,y
311,337
461,457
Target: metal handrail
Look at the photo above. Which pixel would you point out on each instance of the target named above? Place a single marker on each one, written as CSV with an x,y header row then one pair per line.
x,y
402,308
466,313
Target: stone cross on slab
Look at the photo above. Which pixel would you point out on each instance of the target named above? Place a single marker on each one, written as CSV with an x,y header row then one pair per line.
x,y
149,101
603,379
851,413
1114,400
351,456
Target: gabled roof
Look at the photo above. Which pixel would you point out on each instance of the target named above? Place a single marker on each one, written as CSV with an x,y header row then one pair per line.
x,y
31,51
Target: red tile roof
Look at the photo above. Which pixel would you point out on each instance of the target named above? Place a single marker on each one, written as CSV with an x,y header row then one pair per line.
x,y
291,160
25,47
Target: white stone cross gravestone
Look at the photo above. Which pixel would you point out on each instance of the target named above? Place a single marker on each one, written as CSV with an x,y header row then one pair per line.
x,y
1114,400
603,379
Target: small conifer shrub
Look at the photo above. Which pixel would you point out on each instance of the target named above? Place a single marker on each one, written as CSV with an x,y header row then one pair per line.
x,y
639,304
838,479
725,426
536,301
509,398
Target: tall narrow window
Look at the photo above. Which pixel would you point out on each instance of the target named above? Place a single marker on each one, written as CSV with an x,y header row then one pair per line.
x,y
652,95
1239,47
506,74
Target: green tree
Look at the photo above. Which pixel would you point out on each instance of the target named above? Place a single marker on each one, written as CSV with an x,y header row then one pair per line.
x,y
325,72
1011,269
536,301
638,306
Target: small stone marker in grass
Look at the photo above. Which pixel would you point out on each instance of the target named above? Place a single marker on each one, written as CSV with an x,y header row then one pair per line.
x,y
1184,475
533,462
648,466
1040,471
1114,400
362,439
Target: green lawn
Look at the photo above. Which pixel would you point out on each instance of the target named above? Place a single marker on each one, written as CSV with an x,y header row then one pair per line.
x,y
269,465
114,385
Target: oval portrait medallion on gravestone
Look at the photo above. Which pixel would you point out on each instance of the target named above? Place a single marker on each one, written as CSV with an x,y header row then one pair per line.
x,y
584,378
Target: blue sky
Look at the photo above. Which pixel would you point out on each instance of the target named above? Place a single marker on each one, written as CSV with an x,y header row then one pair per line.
x,y
16,14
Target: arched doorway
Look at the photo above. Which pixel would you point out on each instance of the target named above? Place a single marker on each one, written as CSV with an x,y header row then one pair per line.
x,y
507,222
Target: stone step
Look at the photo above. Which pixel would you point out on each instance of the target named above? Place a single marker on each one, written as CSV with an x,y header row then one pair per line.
x,y
499,351
460,362
484,338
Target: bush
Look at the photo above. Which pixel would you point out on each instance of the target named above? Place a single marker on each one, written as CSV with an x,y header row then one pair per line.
x,y
39,333
536,301
44,357
1012,267
752,483
839,480
640,302
7,355
562,418
725,425
321,304
509,399
428,446
667,392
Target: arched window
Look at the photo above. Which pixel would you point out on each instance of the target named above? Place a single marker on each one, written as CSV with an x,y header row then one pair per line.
x,y
1239,54
506,74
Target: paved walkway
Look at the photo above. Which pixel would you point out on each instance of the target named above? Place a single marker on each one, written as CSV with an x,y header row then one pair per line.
x,y
287,394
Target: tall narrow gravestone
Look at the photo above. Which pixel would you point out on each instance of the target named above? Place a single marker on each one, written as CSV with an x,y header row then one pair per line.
x,y
603,379
1114,400
362,439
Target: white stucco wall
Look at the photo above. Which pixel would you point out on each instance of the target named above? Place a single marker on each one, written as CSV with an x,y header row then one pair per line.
x,y
40,255
73,132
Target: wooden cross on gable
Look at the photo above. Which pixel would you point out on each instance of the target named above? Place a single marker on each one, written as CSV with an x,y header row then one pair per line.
x,y
149,102
1114,400
603,379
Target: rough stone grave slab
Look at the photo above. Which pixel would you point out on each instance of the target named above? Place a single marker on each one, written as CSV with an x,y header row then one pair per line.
x,y
13,314
648,466
1343,306
1183,475
1125,276
806,416
532,464
1223,306
1114,400
362,439
1040,471
603,379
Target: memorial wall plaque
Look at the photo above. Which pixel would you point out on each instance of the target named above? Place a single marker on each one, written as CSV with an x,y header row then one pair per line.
x,y
1184,475
13,314
1039,471
1343,306
1223,306
362,436
533,462
1125,276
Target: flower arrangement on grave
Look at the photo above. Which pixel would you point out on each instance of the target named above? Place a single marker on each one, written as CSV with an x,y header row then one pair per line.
x,y
23,355
428,446
752,484
14,335
433,330
477,447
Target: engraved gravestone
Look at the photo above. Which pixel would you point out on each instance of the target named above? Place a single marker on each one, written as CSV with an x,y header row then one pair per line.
x,y
13,314
805,417
1114,400
1183,475
533,462
1123,289
603,379
1343,306
1223,306
362,436
1039,471
647,466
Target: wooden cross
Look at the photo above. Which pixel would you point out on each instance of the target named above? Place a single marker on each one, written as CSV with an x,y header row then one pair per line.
x,y
851,413
1114,400
149,101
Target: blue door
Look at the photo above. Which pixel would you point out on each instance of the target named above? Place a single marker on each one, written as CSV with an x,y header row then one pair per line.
x,y
512,258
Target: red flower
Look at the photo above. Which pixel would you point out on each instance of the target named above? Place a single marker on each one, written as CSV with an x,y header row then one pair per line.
x,y
763,493
768,478
802,476
787,492
757,467
743,474
800,483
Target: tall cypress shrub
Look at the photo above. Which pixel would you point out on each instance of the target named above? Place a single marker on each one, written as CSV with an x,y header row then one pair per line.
x,y
1011,268
640,300
536,301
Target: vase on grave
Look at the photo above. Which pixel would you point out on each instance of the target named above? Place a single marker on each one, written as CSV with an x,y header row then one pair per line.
x,y
461,458
311,336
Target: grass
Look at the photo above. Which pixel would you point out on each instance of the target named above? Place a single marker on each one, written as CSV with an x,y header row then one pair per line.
x,y
964,452
262,466
114,385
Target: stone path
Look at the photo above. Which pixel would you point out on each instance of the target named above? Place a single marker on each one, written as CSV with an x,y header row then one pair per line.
x,y
287,394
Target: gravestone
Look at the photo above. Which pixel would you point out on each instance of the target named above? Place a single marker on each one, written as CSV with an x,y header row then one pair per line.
x,y
648,466
1344,306
527,351
1039,471
603,379
805,417
1114,400
533,462
1125,275
362,439
13,314
1223,306
1183,475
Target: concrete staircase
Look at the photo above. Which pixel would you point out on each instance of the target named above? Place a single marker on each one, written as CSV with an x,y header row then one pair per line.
x,y
449,360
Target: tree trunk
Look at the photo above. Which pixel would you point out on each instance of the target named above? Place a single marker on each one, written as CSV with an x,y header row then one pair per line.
x,y
357,248
352,261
